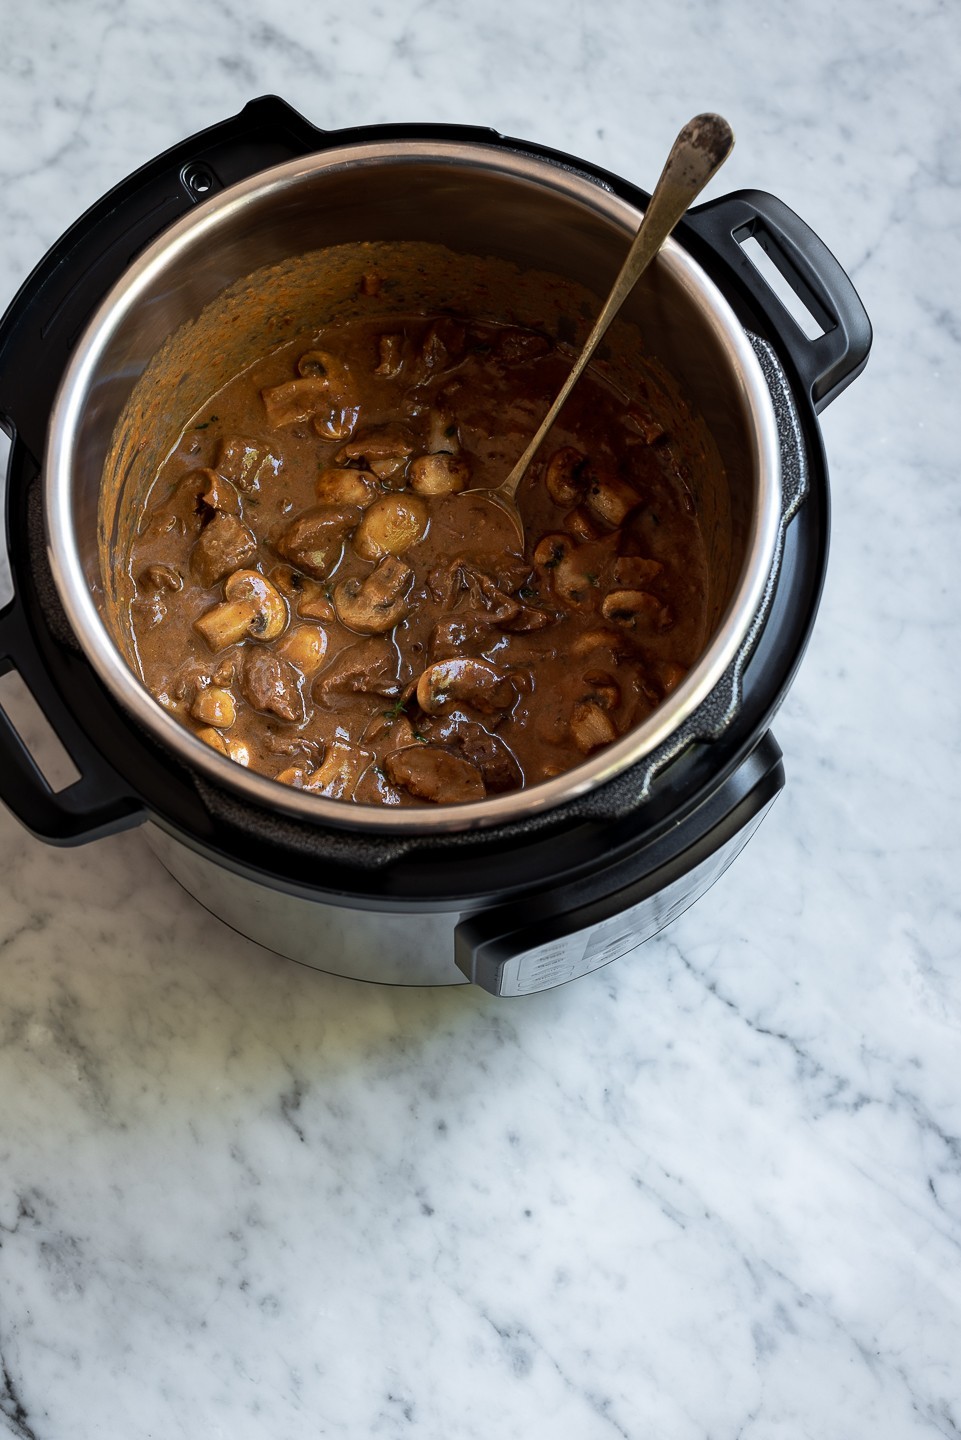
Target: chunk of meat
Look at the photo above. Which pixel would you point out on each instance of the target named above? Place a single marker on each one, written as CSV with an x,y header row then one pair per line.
x,y
271,684
488,753
430,773
368,667
314,542
224,545
246,463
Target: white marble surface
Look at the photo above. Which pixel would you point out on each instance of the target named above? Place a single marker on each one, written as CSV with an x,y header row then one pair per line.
x,y
712,1193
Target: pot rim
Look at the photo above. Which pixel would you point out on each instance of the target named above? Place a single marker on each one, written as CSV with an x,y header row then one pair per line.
x,y
199,227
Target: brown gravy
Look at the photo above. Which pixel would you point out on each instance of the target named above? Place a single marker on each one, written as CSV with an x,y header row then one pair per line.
x,y
313,594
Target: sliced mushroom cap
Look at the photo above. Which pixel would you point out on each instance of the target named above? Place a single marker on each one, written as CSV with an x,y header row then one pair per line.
x,y
295,400
304,646
377,603
390,355
636,609
160,577
591,726
336,778
430,773
314,542
439,474
309,598
214,706
633,572
252,607
249,587
609,499
568,568
565,477
465,681
218,494
322,365
343,486
338,423
602,689
391,525
551,549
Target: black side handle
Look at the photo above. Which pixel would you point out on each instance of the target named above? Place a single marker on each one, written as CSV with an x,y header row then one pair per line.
x,y
824,365
96,804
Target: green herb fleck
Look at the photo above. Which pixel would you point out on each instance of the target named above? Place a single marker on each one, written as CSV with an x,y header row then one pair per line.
x,y
592,579
396,711
527,592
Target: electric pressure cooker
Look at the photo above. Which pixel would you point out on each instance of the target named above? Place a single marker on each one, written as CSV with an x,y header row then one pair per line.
x,y
515,894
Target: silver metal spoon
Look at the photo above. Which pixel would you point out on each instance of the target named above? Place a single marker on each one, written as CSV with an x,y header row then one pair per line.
x,y
698,152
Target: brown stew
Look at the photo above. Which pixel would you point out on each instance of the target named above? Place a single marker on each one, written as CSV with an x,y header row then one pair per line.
x,y
315,596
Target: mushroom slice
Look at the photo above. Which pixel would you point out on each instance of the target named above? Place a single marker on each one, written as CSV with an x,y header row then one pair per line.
x,y
632,572
603,689
304,646
338,423
295,400
608,499
559,557
160,577
218,494
565,477
636,608
342,767
430,773
582,525
343,486
271,684
377,603
224,545
235,750
214,706
439,474
592,641
390,355
314,542
309,598
252,607
246,462
466,681
591,726
391,525
370,667
322,365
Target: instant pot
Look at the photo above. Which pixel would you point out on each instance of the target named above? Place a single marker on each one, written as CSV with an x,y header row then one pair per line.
x,y
521,892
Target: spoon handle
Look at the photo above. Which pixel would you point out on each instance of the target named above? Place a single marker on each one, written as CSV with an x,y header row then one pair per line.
x,y
699,150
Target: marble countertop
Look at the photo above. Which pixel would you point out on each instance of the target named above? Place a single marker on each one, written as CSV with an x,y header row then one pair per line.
x,y
711,1193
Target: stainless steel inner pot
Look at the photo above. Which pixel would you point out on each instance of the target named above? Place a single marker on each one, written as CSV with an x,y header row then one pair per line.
x,y
475,199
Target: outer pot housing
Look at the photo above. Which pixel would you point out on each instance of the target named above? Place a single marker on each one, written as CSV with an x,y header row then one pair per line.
x,y
681,803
